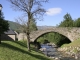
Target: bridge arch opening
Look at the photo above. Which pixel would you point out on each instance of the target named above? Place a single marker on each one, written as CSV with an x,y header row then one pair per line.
x,y
53,37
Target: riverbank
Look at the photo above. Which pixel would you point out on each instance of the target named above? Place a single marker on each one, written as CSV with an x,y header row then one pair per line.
x,y
72,49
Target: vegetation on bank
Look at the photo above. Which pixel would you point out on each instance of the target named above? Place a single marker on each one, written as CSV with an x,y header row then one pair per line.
x,y
75,43
72,48
16,50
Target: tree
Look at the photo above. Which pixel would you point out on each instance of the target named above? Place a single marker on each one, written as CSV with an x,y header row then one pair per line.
x,y
32,9
77,23
4,26
67,22
33,26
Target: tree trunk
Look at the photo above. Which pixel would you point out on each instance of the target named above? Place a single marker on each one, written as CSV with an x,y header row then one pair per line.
x,y
28,30
0,38
28,41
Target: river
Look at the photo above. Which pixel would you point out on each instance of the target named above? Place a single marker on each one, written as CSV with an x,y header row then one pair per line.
x,y
51,51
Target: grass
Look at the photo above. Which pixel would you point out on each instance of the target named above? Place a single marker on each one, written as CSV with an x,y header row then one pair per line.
x,y
16,50
75,43
73,47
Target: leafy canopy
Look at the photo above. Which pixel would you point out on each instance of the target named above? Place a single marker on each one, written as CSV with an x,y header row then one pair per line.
x,y
67,22
4,26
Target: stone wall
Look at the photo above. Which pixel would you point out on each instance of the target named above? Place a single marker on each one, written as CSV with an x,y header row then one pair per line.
x,y
21,36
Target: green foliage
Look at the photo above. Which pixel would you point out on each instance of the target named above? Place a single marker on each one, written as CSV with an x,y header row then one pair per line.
x,y
4,26
55,38
17,50
32,25
67,22
41,40
77,23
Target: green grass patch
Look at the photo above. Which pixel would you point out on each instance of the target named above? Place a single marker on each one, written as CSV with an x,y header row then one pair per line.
x,y
17,50
75,43
72,47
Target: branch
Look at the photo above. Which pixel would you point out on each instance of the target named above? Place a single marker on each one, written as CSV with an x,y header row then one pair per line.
x,y
19,5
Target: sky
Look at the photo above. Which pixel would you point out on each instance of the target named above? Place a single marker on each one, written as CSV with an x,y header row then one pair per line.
x,y
56,9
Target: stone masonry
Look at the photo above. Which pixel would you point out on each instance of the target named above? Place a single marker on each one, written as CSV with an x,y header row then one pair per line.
x,y
71,33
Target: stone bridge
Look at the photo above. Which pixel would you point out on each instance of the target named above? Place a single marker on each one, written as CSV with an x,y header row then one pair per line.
x,y
71,33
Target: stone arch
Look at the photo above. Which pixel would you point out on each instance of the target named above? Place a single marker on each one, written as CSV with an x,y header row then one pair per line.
x,y
45,32
70,33
49,32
